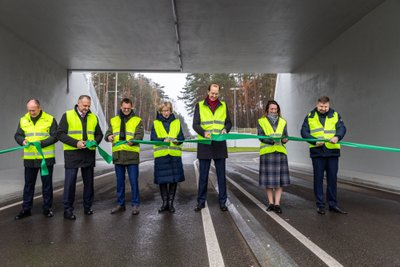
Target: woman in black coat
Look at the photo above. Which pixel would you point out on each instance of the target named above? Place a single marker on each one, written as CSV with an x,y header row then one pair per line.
x,y
168,167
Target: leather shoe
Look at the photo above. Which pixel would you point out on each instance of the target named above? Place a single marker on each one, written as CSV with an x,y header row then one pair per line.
x,y
270,207
199,208
48,213
278,209
88,211
223,207
337,210
135,210
321,210
69,216
23,214
118,209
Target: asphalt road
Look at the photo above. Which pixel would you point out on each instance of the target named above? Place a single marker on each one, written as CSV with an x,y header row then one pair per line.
x,y
245,236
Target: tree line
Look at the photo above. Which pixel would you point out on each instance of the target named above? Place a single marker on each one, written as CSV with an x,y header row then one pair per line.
x,y
252,93
145,94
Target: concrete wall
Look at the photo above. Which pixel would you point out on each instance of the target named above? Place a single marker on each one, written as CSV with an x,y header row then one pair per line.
x,y
360,71
27,73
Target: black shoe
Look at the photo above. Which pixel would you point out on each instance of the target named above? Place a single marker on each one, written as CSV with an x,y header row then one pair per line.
x,y
199,208
277,209
135,210
337,210
171,206
69,216
88,211
270,207
321,210
23,214
117,209
223,207
48,213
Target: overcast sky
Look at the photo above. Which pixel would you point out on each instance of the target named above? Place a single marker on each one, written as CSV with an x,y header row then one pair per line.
x,y
173,84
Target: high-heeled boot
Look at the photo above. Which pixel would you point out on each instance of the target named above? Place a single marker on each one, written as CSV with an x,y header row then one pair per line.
x,y
164,197
172,191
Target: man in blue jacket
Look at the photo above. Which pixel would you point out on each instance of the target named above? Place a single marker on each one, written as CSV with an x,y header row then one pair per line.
x,y
326,124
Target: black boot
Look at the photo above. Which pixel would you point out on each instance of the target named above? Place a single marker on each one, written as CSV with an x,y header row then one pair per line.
x,y
164,197
172,191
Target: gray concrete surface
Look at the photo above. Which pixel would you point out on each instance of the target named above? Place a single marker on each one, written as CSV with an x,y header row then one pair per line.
x,y
360,72
200,36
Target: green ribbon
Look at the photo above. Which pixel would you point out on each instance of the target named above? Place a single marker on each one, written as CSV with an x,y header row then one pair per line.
x,y
103,154
223,137
43,167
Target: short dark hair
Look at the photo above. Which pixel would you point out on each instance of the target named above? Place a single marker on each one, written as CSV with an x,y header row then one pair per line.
x,y
84,96
34,100
323,99
126,101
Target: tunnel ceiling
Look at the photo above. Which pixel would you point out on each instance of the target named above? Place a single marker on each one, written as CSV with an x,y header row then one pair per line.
x,y
181,35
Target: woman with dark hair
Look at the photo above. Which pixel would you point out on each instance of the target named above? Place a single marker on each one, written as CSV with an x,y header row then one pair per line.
x,y
168,167
274,170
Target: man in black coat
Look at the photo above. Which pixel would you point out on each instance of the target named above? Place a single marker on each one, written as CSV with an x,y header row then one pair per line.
x,y
211,116
75,128
37,126
324,123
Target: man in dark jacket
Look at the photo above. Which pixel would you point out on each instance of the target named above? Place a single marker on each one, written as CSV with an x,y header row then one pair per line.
x,y
326,124
123,127
37,126
211,116
76,127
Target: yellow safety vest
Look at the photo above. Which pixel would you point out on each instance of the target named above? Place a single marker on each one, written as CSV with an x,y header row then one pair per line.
x,y
130,129
323,132
268,130
212,122
75,129
37,132
174,129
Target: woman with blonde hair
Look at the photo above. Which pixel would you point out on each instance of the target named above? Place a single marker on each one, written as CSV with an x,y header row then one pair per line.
x,y
168,167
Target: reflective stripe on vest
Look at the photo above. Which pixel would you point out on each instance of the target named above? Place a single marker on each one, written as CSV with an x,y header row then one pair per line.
x,y
268,130
37,132
172,150
75,129
130,128
212,122
323,132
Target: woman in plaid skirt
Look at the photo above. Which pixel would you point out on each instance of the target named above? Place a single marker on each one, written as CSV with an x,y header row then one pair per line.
x,y
274,170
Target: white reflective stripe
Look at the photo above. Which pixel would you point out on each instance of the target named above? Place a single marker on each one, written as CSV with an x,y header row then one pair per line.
x,y
219,122
42,134
29,154
90,132
130,133
206,122
160,148
74,132
330,131
116,133
50,152
30,134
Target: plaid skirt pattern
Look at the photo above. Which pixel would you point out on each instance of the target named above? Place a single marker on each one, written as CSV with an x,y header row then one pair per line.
x,y
274,170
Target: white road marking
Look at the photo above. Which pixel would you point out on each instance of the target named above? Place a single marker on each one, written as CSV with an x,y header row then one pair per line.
x,y
320,253
55,191
213,250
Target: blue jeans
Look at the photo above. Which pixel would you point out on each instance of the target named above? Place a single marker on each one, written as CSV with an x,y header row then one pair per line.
x,y
331,166
133,173
204,168
29,188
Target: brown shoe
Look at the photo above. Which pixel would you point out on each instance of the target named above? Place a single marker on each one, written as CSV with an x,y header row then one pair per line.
x,y
135,210
118,209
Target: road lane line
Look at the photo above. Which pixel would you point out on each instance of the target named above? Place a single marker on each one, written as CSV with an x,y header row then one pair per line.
x,y
55,191
213,250
320,253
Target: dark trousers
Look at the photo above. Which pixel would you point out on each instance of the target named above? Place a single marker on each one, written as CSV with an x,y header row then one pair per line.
x,y
29,188
204,165
133,174
70,186
330,165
